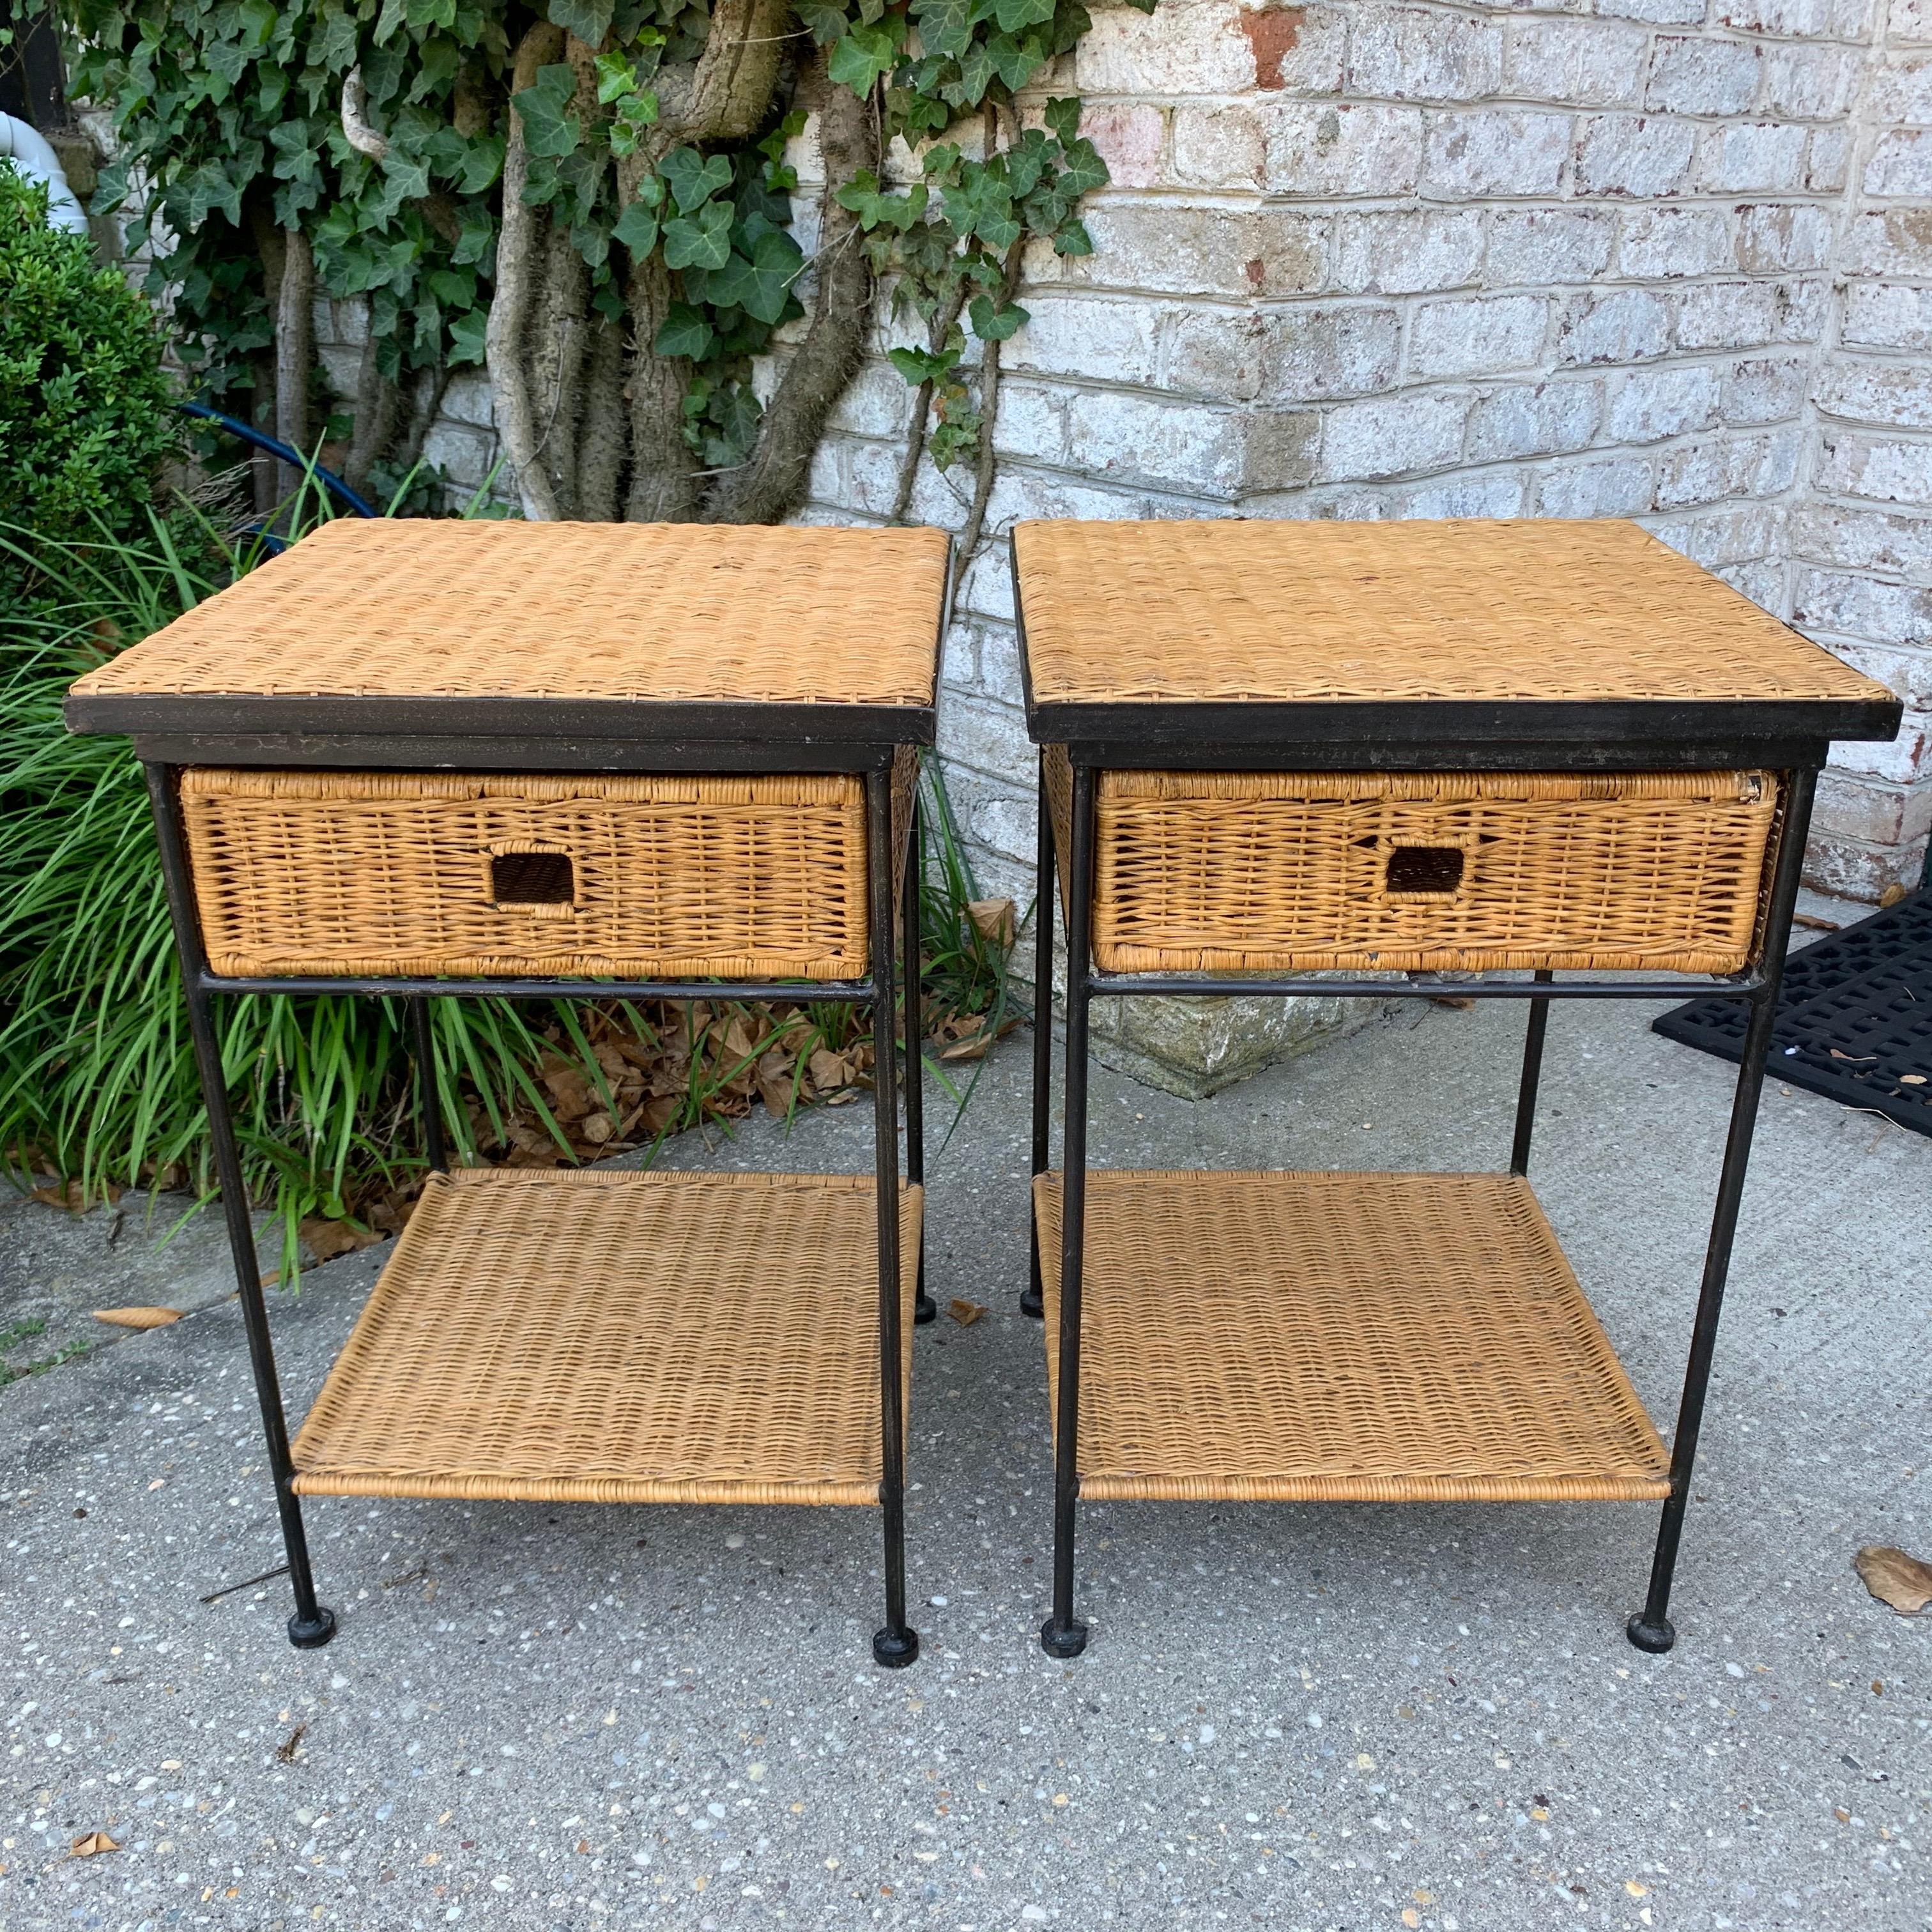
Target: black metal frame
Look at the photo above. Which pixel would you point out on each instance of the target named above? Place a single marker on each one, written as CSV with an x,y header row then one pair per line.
x,y
312,1624
1062,1634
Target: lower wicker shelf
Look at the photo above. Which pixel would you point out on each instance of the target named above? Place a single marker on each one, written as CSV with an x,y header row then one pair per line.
x,y
1339,1338
598,1337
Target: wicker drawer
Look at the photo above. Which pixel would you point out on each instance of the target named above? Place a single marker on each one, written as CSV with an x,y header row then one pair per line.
x,y
1292,870
412,872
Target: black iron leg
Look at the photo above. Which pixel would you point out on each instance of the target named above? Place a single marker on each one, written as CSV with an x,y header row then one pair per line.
x,y
312,1624
923,1307
1532,1073
427,1096
898,1643
1030,1302
1062,1635
1651,1629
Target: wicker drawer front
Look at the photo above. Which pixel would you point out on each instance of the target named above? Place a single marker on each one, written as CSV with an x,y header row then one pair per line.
x,y
1198,871
421,873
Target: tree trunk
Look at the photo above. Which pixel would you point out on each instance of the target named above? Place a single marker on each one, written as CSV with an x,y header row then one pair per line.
x,y
664,479
518,252
768,486
603,436
376,400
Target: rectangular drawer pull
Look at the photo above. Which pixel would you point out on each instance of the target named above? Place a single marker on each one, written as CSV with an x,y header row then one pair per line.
x,y
541,881
1424,872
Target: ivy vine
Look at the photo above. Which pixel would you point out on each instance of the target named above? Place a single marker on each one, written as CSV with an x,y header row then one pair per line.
x,y
592,199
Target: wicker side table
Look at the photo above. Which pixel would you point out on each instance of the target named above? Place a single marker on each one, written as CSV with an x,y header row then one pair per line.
x,y
448,760
1287,747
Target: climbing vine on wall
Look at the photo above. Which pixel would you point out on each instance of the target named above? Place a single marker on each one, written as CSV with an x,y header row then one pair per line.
x,y
591,199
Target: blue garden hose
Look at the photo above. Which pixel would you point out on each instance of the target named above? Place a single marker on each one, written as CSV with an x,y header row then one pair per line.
x,y
246,432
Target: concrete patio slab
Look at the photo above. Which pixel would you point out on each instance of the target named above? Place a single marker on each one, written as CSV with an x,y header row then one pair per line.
x,y
1320,1717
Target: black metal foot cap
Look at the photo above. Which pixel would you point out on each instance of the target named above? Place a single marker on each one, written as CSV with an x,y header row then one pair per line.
x,y
1656,1638
312,1633
1063,1639
1031,1304
893,1650
925,1309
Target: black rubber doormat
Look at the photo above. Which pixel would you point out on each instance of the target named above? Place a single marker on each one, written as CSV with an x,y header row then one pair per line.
x,y
1854,1017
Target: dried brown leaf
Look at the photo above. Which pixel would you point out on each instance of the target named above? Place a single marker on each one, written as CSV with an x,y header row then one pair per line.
x,y
963,1311
91,1844
741,1040
1892,894
828,1070
570,1096
138,1317
1902,1582
598,1128
325,1239
776,1093
71,1195
994,920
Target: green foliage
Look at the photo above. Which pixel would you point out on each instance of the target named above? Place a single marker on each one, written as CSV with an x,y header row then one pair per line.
x,y
98,1080
86,416
97,1070
231,114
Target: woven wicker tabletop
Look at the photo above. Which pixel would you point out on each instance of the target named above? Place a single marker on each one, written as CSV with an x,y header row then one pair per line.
x,y
615,1337
422,609
1487,612
1339,1338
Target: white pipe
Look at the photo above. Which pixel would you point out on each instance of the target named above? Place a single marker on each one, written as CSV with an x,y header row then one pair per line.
x,y
30,152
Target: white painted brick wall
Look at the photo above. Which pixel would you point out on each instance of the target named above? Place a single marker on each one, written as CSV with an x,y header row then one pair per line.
x,y
1666,259
1399,258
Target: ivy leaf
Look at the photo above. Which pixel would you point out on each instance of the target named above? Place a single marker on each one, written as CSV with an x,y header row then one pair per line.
x,y
693,180
737,419
1084,168
759,282
945,26
1063,117
335,47
684,332
976,73
827,18
922,365
876,208
1015,60
482,163
615,77
699,240
636,228
228,58
466,333
992,325
1013,15
476,238
548,129
866,55
589,20
1071,237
